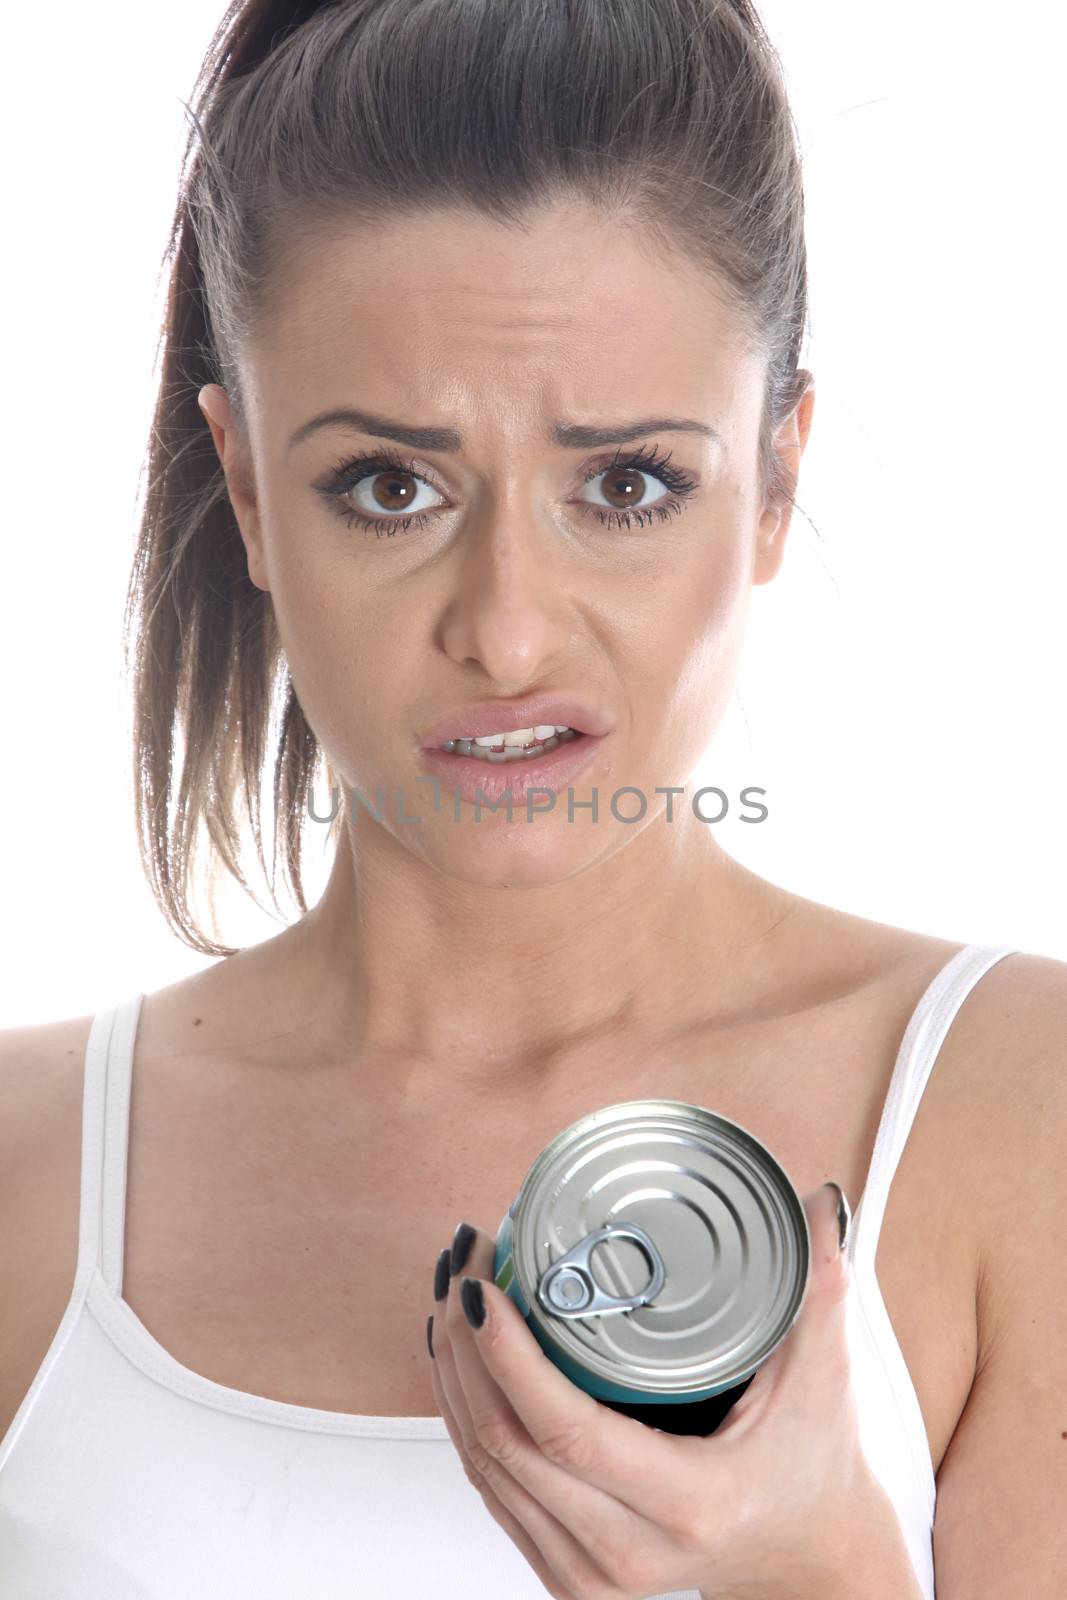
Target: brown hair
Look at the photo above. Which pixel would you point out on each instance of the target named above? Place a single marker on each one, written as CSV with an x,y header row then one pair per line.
x,y
671,114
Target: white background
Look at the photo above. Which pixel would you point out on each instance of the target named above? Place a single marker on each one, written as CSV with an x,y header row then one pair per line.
x,y
901,693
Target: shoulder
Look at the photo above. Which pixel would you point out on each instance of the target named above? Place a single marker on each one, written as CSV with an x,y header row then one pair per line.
x,y
41,1079
1002,1076
1005,1074
1004,1134
1013,1030
42,1076
41,1083
1012,1027
1005,1469
1000,1080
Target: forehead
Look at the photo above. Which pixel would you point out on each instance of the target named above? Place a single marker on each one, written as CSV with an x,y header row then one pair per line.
x,y
441,315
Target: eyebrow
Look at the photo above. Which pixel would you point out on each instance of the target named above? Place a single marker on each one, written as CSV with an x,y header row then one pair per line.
x,y
570,434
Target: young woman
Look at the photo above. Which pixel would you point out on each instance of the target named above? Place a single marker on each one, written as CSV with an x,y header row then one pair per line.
x,y
480,415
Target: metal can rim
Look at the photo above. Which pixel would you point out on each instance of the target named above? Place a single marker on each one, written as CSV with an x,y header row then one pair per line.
x,y
684,1380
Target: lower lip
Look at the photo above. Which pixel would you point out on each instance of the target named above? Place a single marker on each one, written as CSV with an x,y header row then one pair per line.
x,y
472,779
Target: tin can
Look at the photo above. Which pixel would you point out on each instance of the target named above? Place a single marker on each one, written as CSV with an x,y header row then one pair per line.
x,y
702,1259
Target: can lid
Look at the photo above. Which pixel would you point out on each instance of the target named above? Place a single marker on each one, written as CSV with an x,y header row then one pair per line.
x,y
687,1246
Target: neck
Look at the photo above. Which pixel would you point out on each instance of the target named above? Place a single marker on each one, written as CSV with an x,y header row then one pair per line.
x,y
400,961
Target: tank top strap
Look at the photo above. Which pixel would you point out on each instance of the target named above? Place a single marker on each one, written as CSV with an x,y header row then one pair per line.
x,y
919,1048
105,1131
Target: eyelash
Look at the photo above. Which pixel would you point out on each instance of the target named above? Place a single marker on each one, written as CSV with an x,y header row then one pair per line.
x,y
351,471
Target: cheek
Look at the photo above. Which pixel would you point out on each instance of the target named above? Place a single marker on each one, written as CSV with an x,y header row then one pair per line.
x,y
341,649
319,590
697,594
684,650
321,623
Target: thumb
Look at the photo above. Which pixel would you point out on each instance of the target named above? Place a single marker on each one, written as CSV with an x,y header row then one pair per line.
x,y
830,1222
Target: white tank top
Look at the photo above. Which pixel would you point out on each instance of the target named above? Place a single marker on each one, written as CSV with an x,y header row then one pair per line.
x,y
126,1476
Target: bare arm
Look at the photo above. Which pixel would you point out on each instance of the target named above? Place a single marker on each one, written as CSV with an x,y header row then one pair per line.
x,y
40,1160
1000,1531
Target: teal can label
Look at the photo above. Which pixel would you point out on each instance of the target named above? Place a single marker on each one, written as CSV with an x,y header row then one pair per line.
x,y
659,1254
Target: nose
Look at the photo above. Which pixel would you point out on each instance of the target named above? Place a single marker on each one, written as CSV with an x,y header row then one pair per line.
x,y
506,609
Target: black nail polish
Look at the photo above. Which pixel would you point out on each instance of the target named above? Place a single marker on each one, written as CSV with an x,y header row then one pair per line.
x,y
461,1246
844,1215
429,1334
441,1275
473,1301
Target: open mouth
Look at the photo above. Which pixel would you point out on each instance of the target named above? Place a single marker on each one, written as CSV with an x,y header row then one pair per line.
x,y
523,745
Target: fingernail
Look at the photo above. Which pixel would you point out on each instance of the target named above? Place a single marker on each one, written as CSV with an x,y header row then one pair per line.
x,y
441,1275
429,1334
461,1246
844,1215
473,1301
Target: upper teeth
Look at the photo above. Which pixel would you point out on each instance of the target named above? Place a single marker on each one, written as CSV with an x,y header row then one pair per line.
x,y
543,730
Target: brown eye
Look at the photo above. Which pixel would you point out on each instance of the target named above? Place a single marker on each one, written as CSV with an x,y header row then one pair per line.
x,y
393,491
623,487
620,488
386,489
394,486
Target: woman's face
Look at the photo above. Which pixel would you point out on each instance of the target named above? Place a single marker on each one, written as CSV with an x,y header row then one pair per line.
x,y
519,573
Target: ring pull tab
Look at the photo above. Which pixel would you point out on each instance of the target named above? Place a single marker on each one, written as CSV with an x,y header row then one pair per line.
x,y
568,1288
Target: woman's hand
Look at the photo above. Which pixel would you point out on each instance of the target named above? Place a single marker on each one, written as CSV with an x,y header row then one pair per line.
x,y
778,1503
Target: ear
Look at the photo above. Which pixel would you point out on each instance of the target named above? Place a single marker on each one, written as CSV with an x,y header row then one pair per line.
x,y
789,443
232,449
